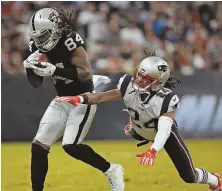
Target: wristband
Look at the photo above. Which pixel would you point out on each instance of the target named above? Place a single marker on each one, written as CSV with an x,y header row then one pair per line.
x,y
85,99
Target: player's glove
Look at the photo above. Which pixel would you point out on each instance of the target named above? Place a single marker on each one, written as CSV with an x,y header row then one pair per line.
x,y
75,100
148,157
128,128
48,69
32,59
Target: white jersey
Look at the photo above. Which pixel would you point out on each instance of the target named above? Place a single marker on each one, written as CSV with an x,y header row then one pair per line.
x,y
144,116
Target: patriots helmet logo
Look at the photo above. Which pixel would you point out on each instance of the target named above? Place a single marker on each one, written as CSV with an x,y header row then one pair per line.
x,y
162,68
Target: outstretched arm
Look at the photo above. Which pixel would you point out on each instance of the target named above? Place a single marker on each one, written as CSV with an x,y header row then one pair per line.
x,y
164,130
163,133
93,98
102,97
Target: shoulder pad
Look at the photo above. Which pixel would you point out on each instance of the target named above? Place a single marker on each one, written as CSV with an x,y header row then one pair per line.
x,y
123,83
170,103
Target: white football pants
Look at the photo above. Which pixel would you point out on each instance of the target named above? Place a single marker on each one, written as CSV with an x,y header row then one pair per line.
x,y
63,118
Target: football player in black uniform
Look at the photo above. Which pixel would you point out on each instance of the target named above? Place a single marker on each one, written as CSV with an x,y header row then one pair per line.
x,y
69,67
151,105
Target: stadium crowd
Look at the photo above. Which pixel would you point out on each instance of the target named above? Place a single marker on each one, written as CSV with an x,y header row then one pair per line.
x,y
186,34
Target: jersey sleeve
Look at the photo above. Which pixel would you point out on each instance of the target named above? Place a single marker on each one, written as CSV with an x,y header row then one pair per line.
x,y
35,80
174,103
73,41
32,47
123,83
170,103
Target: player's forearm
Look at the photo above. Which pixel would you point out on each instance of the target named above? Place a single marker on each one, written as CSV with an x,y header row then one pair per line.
x,y
103,97
163,133
82,63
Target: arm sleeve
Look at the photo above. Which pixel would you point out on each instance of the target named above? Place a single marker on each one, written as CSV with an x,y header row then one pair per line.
x,y
170,104
164,129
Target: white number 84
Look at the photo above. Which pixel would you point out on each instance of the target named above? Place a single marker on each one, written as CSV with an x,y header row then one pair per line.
x,y
71,45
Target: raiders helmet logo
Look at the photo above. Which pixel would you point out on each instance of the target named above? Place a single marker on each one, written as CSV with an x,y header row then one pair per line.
x,y
53,18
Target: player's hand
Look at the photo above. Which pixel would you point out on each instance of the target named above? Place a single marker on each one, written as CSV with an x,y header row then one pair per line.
x,y
32,59
47,71
128,128
75,100
148,157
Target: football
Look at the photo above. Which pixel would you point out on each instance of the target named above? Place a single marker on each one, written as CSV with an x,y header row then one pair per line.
x,y
43,58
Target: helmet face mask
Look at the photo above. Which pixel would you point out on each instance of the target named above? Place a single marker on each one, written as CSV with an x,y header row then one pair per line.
x,y
44,31
44,40
143,82
151,75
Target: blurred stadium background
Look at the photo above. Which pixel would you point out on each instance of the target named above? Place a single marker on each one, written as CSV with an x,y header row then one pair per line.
x,y
188,35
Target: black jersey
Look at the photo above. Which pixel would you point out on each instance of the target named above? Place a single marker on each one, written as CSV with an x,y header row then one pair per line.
x,y
60,56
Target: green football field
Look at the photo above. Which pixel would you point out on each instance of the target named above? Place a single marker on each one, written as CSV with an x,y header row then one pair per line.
x,y
66,173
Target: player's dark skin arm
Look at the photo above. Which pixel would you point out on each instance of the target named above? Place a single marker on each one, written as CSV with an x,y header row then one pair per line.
x,y
102,97
81,61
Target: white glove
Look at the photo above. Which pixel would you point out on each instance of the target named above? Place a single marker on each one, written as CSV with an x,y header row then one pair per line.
x,y
47,71
32,59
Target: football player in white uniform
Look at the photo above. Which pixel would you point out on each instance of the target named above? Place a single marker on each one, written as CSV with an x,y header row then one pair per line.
x,y
151,105
69,68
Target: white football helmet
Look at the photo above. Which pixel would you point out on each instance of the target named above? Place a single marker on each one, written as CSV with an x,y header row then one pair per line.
x,y
151,74
44,29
